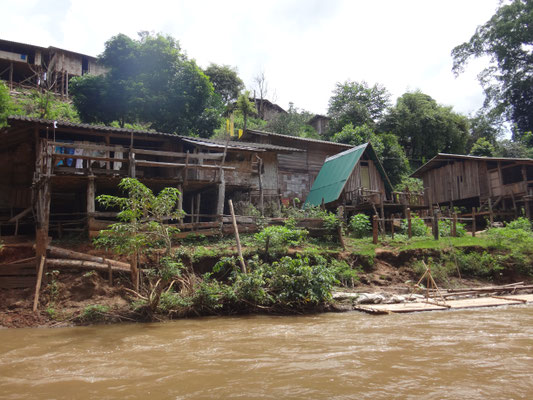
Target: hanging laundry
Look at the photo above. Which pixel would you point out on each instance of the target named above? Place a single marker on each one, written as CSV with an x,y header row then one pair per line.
x,y
79,161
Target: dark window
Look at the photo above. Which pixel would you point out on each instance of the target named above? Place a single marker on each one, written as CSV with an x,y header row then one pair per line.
x,y
84,65
512,175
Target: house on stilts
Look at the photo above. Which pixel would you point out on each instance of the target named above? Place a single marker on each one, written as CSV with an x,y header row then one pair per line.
x,y
356,180
489,186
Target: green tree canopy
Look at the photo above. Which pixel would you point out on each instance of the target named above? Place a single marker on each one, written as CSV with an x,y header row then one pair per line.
x,y
425,128
482,147
386,146
226,81
148,80
356,103
293,122
507,39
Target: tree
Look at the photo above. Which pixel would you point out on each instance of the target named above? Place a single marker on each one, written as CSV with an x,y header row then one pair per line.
x,y
226,82
143,226
483,148
484,125
149,80
425,128
260,89
386,146
356,103
246,108
507,39
293,122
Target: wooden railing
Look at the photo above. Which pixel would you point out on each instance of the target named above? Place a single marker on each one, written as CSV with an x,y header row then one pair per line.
x,y
126,160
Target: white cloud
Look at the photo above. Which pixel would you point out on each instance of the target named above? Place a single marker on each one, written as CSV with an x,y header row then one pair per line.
x,y
304,46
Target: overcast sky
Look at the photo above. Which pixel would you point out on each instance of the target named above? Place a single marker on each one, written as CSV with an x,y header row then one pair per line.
x,y
303,46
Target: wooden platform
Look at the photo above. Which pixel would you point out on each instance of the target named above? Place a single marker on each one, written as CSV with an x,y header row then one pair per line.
x,y
433,305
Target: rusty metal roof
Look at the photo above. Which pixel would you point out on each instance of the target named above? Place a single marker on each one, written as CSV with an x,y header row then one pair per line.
x,y
213,143
443,158
297,138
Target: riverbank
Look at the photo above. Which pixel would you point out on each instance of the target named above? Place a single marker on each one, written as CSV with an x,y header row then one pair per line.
x,y
390,269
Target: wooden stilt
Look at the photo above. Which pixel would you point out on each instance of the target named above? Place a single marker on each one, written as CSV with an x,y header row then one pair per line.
x,y
38,284
409,223
375,229
236,229
474,221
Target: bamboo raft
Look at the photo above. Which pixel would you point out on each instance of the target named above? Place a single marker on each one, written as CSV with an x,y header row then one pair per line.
x,y
438,305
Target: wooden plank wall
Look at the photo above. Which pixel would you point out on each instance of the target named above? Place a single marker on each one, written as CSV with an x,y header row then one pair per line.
x,y
354,181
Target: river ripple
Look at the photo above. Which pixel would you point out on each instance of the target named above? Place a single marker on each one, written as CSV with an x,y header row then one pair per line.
x,y
469,354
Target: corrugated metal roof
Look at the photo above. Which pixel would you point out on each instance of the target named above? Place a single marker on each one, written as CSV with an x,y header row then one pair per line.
x,y
443,158
297,138
336,170
233,144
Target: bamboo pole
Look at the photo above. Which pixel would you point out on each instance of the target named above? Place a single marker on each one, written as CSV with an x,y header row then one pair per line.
x,y
38,284
239,249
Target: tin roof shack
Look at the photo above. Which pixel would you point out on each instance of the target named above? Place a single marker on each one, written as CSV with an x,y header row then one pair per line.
x,y
354,179
320,123
49,67
296,170
499,186
54,173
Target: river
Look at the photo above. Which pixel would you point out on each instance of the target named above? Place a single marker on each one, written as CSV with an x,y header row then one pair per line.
x,y
469,354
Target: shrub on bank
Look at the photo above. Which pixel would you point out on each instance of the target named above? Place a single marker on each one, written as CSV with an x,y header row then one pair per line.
x,y
418,226
360,225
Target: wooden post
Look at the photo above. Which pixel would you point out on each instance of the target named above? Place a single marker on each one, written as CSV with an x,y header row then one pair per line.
x,y
38,284
221,195
436,226
91,189
454,225
180,202
340,216
192,208
239,249
382,213
491,214
474,221
375,229
392,226
110,274
261,195
198,200
132,165
409,224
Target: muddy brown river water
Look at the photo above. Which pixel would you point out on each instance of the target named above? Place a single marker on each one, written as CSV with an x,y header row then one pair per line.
x,y
469,354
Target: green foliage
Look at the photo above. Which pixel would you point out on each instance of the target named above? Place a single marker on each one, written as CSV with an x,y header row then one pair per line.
x,y
151,80
484,265
226,81
483,148
418,226
279,237
293,123
142,215
513,236
408,184
424,127
386,146
519,223
508,79
245,108
5,104
94,312
293,281
344,273
360,225
445,228
356,103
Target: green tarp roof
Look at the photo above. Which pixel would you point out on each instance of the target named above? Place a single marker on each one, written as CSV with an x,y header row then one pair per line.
x,y
335,172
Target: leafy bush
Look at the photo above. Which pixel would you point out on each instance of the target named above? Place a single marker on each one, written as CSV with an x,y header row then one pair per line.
x,y
519,223
512,238
484,265
418,226
94,312
276,238
360,225
293,281
445,228
344,273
